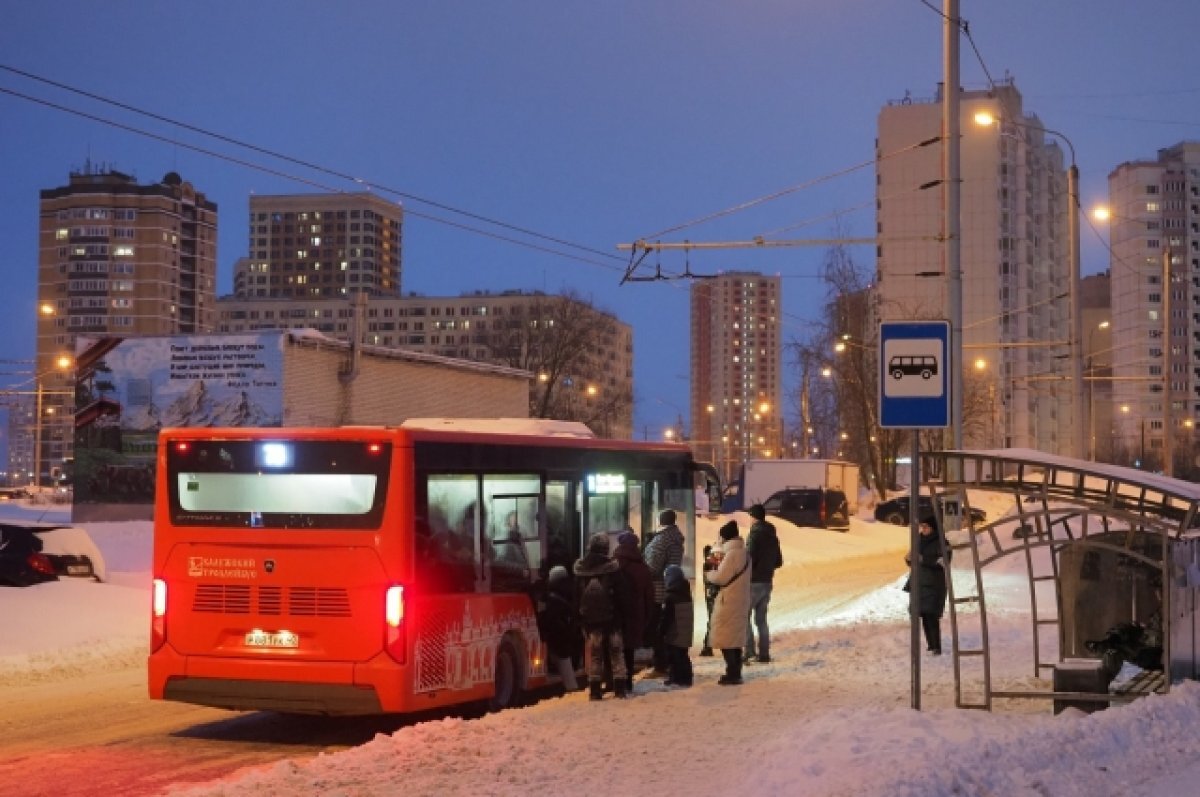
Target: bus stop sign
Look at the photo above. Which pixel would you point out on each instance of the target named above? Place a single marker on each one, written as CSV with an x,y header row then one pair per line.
x,y
914,378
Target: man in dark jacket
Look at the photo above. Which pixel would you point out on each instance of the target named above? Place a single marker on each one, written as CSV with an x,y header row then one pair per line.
x,y
765,558
603,601
641,608
665,548
558,624
931,600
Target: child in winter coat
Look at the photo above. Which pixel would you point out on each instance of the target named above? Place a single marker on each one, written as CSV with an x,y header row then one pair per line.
x,y
678,619
557,625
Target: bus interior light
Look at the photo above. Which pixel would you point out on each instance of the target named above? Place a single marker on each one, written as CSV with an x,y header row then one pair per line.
x,y
374,448
275,455
182,446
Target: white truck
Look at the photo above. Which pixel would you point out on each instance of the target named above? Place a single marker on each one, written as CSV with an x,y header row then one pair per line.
x,y
762,477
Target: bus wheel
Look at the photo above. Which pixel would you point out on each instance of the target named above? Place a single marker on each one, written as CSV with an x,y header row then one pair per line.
x,y
507,688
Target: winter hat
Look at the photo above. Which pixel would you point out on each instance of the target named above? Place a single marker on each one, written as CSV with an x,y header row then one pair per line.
x,y
666,517
729,531
627,538
558,573
757,512
673,575
598,544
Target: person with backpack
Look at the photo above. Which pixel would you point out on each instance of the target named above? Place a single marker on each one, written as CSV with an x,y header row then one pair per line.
x,y
558,625
731,609
762,544
641,606
665,548
678,622
603,601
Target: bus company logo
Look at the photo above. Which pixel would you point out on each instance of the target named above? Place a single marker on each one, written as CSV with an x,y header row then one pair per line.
x,y
221,567
269,565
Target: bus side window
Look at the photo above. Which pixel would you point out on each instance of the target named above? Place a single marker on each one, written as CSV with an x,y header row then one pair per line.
x,y
449,561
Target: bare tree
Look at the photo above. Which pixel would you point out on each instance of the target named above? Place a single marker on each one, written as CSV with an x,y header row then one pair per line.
x,y
557,338
841,404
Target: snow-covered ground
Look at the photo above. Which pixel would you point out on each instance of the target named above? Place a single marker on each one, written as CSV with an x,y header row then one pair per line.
x,y
829,716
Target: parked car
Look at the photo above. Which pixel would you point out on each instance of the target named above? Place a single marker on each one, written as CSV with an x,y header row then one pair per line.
x,y
895,511
810,506
22,562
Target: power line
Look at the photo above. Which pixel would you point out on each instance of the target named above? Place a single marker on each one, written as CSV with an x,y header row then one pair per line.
x,y
367,184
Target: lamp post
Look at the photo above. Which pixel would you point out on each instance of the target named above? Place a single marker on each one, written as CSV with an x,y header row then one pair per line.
x,y
1075,338
1092,389
61,363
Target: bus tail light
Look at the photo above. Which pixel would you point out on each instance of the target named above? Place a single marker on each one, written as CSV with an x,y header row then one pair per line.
x,y
393,615
158,614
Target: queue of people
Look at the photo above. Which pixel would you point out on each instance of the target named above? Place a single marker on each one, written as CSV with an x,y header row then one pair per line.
x,y
629,597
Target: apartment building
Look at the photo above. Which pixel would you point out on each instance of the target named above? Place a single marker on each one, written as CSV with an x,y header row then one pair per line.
x,y
736,369
1014,258
591,369
320,246
1154,237
115,258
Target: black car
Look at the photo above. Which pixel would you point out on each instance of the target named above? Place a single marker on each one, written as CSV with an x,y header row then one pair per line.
x,y
22,562
896,510
815,507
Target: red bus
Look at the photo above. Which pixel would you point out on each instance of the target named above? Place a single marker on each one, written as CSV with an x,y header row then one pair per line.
x,y
364,570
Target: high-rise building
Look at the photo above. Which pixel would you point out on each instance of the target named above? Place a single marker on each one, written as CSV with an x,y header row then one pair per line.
x,y
1155,221
592,363
1095,299
320,246
736,372
115,258
1014,258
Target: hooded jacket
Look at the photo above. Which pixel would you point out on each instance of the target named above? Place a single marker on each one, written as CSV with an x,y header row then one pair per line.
x,y
641,587
678,616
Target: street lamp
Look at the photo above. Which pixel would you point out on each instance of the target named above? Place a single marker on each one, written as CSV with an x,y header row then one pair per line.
x,y
61,363
1092,388
986,119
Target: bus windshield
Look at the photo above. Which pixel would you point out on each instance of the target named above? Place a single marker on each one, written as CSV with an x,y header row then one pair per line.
x,y
278,484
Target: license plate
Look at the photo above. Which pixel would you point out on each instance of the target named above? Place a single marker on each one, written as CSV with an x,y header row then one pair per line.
x,y
79,570
267,639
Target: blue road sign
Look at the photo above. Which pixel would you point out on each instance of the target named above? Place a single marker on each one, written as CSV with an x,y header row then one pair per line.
x,y
914,374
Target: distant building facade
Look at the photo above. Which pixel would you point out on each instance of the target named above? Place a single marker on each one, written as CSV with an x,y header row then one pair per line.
x,y
595,386
321,246
1155,225
1095,301
1014,256
736,365
114,258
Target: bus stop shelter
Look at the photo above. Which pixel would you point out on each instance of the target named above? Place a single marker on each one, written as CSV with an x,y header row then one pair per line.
x,y
1101,550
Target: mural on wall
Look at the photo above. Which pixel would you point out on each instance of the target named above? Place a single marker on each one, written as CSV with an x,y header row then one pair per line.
x,y
127,389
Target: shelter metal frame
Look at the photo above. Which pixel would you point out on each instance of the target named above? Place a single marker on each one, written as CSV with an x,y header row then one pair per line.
x,y
1058,502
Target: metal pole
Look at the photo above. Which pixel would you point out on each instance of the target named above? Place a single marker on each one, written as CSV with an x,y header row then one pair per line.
x,y
914,568
951,142
37,438
1167,430
1077,446
1091,405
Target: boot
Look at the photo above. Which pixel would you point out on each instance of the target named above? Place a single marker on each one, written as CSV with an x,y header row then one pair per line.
x,y
629,685
596,691
706,651
622,693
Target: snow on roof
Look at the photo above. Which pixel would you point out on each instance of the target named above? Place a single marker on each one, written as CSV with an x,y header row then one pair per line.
x,y
526,426
1155,481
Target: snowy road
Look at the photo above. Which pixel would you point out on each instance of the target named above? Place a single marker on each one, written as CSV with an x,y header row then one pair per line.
x,y
98,733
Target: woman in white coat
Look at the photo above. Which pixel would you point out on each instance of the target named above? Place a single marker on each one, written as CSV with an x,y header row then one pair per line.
x,y
731,609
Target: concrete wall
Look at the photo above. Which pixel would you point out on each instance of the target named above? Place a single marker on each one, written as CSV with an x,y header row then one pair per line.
x,y
386,390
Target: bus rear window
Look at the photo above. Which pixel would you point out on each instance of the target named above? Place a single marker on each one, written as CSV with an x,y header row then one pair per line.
x,y
278,483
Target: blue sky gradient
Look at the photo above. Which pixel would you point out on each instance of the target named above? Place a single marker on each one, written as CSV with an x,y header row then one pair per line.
x,y
593,123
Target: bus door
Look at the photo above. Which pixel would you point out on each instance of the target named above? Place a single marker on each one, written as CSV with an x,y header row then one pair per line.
x,y
516,540
562,531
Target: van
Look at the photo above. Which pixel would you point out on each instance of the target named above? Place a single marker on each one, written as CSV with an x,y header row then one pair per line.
x,y
815,507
